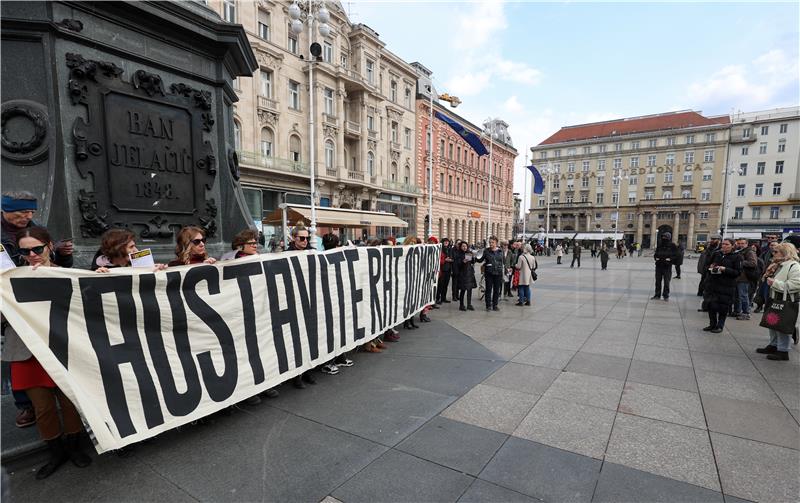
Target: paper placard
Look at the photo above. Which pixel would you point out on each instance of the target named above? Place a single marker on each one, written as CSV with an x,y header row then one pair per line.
x,y
143,258
5,260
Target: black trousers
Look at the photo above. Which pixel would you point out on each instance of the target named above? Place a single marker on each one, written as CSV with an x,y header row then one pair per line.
x,y
441,291
454,286
468,292
558,259
663,275
677,271
574,258
717,313
494,285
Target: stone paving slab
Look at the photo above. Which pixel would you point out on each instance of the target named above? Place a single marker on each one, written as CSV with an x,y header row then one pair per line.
x,y
754,389
664,404
492,408
523,378
661,374
622,484
751,420
596,391
599,365
544,357
484,492
658,354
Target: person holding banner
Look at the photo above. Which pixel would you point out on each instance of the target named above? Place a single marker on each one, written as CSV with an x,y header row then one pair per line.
x,y
116,248
409,323
27,374
18,210
300,243
190,247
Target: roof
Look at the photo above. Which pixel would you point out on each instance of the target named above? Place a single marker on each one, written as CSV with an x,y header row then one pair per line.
x,y
632,125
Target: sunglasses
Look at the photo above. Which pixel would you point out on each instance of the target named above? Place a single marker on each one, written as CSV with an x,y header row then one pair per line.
x,y
38,250
252,243
300,238
197,242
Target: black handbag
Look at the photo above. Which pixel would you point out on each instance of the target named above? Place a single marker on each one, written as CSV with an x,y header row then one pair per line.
x,y
780,314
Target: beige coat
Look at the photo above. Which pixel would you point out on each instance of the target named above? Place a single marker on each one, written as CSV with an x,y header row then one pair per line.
x,y
526,263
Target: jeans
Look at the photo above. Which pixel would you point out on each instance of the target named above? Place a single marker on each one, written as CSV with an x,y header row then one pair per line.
x,y
742,304
663,275
574,258
779,340
524,293
494,285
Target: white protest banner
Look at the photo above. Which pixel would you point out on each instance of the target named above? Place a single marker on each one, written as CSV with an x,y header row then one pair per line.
x,y
141,352
5,259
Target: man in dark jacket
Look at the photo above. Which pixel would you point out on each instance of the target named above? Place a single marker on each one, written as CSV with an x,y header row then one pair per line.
x,y
494,271
665,255
576,254
741,306
19,208
678,262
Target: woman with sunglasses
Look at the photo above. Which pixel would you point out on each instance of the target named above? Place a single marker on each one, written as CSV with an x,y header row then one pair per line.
x,y
116,247
244,244
190,247
63,441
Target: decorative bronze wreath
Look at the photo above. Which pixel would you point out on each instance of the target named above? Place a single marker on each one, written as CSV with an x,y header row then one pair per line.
x,y
39,129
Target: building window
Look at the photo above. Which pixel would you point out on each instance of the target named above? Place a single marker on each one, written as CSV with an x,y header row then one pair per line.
x,y
602,149
707,175
371,163
266,83
687,176
263,24
764,130
781,145
667,177
570,167
778,167
450,184
407,99
671,141
711,137
229,10
795,212
371,127
776,188
237,135
584,198
762,148
557,153
703,215
617,163
740,190
652,143
601,165
327,95
688,157
651,160
738,213
774,212
634,162
450,151
393,91
633,180
407,136
266,142
745,150
570,199
670,160
294,95
294,148
649,195
746,132
441,182
587,150
396,134
291,44
784,128
759,189
370,71
585,183
585,166
708,156
634,145
329,155
601,181
631,197
667,194
650,179
614,197
686,194
756,213
599,196
543,154
571,151
689,139
743,169
327,52
556,183
705,195
760,167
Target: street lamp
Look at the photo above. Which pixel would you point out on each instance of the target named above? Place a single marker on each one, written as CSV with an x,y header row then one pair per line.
x,y
618,179
322,17
490,130
726,209
454,102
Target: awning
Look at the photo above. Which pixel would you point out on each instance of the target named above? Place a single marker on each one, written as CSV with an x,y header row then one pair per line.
x,y
597,236
556,235
335,217
747,235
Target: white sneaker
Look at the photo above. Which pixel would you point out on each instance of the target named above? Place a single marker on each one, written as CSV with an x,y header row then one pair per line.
x,y
394,332
330,369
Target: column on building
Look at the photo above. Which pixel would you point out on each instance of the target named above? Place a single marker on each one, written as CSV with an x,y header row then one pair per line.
x,y
341,161
364,142
639,227
676,222
558,222
653,229
319,130
690,232
588,222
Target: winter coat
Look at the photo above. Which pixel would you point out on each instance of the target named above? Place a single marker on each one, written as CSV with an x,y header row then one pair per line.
x,y
8,235
464,271
526,263
749,261
787,279
559,251
494,260
678,257
446,266
721,287
603,257
666,252
510,259
576,251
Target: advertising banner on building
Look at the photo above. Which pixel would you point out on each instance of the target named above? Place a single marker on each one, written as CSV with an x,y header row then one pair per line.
x,y
141,352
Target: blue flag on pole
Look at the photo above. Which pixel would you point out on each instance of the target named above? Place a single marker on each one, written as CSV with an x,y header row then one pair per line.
x,y
469,137
538,182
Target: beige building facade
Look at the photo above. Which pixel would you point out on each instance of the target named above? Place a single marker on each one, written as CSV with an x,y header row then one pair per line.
x,y
664,173
364,117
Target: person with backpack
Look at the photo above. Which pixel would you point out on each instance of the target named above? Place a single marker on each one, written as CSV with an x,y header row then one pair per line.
x,y
526,265
749,274
678,262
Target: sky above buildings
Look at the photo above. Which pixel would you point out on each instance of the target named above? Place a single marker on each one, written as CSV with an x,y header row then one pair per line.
x,y
540,66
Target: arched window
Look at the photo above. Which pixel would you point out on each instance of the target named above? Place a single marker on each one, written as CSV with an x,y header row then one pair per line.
x,y
393,174
667,194
266,142
295,148
371,163
407,177
237,135
329,158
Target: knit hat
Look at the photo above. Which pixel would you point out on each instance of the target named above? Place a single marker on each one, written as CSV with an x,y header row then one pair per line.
x,y
666,235
11,204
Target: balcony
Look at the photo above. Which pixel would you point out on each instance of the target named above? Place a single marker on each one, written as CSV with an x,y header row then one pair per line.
x,y
372,134
355,175
395,146
738,138
576,204
256,159
330,119
267,103
352,128
332,172
401,187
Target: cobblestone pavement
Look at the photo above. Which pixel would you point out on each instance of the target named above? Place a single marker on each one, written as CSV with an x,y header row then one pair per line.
x,y
594,393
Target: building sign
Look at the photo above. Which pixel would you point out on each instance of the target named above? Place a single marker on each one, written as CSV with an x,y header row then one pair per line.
x,y
475,214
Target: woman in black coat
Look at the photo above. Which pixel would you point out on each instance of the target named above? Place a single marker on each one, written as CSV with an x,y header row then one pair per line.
x,y
464,271
721,284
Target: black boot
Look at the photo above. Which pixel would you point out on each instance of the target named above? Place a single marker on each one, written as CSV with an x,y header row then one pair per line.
x,y
424,318
58,456
298,383
308,377
767,350
413,325
73,445
407,325
779,356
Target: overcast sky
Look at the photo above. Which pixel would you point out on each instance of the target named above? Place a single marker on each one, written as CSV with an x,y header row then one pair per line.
x,y
540,66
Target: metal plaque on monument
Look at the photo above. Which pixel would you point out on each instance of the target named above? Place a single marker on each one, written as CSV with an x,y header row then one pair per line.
x,y
119,114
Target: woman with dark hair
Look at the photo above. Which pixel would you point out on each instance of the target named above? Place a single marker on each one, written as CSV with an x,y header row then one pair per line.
x,y
116,246
61,434
243,244
409,323
464,264
190,247
724,269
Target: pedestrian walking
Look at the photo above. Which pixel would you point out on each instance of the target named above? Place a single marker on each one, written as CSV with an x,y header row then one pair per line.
x,y
576,255
494,271
678,261
749,273
724,269
594,251
57,419
526,265
664,256
559,253
638,249
783,279
464,266
603,258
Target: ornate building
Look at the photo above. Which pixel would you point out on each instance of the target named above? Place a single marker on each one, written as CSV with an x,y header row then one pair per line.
x,y
664,173
364,117
461,184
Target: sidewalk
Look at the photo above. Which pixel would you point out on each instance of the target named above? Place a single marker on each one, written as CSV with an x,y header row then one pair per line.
x,y
594,393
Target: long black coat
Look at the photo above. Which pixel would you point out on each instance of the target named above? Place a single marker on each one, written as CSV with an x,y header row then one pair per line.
x,y
464,271
721,288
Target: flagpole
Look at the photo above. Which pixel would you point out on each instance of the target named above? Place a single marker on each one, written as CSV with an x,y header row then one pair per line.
x,y
525,197
547,221
430,168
